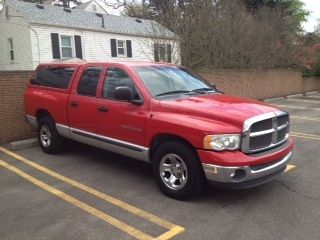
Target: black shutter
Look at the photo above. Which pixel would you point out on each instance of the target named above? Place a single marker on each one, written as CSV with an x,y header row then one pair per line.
x,y
113,48
169,53
129,48
78,46
156,52
55,45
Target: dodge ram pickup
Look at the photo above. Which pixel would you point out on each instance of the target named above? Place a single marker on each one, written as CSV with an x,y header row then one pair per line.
x,y
162,114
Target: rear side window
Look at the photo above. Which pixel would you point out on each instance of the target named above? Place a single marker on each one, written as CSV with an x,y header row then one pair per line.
x,y
55,77
89,81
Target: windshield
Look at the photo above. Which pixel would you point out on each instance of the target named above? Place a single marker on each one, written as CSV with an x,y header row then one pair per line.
x,y
164,80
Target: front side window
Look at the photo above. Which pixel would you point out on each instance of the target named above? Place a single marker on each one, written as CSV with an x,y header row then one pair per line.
x,y
67,47
163,80
117,78
89,81
11,51
121,46
54,76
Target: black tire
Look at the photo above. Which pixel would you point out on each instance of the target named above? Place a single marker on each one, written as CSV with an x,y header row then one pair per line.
x,y
56,142
195,176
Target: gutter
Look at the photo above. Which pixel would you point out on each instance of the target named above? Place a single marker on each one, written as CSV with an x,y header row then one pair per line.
x,y
103,31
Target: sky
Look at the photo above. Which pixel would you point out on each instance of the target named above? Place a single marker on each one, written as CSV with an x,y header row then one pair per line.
x,y
314,7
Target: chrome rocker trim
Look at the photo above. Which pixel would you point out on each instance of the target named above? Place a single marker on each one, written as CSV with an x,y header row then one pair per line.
x,y
103,142
32,121
223,174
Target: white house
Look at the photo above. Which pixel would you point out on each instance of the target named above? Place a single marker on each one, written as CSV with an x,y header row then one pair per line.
x,y
92,6
33,33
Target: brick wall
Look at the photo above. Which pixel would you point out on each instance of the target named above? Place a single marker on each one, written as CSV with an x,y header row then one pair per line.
x,y
258,84
12,122
261,84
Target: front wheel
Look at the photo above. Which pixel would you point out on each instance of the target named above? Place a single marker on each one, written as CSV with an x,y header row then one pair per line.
x,y
177,170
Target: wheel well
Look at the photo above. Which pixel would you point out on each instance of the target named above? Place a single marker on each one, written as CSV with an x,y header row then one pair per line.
x,y
162,138
42,113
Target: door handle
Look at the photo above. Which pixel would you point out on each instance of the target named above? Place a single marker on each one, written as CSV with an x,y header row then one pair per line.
x,y
74,104
102,109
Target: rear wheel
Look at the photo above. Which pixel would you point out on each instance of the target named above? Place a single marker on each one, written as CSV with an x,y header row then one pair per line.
x,y
177,170
49,138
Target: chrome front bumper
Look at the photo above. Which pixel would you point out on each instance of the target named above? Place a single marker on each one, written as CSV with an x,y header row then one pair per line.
x,y
243,174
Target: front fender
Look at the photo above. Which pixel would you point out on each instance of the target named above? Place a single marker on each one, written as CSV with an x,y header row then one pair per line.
x,y
191,128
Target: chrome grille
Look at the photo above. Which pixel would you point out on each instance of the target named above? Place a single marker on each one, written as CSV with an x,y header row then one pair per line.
x,y
265,131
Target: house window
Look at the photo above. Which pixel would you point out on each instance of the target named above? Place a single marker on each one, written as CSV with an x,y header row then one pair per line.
x,y
67,47
162,52
121,46
10,43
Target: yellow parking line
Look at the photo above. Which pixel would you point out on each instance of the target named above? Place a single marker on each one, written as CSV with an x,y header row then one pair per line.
x,y
97,213
295,107
289,168
302,100
306,136
170,234
305,118
134,210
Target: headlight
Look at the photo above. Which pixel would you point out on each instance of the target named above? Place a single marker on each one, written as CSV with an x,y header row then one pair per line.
x,y
222,142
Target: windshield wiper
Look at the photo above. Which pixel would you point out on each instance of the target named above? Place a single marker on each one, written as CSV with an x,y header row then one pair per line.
x,y
172,92
202,90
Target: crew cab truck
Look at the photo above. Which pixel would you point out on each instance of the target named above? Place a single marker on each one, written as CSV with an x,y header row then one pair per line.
x,y
162,114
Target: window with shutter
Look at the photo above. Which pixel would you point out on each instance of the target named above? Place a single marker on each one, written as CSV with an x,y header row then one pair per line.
x,y
55,46
162,52
67,50
78,46
10,41
113,47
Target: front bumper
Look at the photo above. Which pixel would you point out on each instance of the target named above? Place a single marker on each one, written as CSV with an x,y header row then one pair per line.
x,y
246,176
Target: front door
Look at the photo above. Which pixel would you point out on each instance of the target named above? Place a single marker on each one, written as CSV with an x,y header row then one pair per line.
x,y
120,120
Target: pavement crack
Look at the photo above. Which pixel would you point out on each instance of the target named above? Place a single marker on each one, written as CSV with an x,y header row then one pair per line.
x,y
299,193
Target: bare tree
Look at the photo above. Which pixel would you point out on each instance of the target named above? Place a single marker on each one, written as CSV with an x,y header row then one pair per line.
x,y
226,34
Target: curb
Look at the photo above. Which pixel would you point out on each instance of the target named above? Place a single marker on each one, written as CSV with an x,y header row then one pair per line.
x,y
291,96
23,144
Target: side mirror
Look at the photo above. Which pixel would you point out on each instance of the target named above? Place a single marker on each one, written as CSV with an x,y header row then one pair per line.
x,y
123,94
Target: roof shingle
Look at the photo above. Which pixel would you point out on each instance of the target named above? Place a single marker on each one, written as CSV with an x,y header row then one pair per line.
x,y
56,16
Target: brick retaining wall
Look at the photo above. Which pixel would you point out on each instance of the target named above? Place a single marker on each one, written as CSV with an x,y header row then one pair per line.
x,y
12,121
262,84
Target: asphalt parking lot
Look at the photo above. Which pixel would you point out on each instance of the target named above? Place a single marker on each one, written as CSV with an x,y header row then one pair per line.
x,y
87,193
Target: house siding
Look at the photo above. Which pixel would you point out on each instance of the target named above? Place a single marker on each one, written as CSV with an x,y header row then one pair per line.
x,y
95,45
41,42
17,29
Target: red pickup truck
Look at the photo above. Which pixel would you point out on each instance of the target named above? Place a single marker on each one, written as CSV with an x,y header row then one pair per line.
x,y
162,114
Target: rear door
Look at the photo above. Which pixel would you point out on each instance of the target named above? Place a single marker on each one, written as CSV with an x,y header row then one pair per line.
x,y
82,103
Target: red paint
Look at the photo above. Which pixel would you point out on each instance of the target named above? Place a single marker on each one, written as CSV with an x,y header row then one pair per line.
x,y
191,118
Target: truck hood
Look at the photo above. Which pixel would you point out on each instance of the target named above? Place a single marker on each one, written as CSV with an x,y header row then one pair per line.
x,y
225,108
